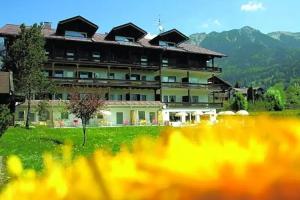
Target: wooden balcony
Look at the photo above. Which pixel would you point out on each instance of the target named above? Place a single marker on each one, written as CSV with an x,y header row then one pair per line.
x,y
193,68
210,86
105,82
104,64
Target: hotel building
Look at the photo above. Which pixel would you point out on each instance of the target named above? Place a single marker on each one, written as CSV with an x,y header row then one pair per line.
x,y
145,81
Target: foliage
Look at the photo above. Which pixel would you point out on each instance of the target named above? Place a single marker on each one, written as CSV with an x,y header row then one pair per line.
x,y
85,107
293,95
31,144
220,163
274,100
42,110
25,59
5,118
259,105
239,102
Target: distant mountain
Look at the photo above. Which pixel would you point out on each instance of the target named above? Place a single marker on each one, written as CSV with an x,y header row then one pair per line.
x,y
254,57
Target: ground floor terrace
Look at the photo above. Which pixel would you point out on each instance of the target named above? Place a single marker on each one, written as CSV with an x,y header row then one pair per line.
x,y
116,113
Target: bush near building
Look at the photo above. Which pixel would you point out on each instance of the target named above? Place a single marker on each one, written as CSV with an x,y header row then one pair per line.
x,y
5,118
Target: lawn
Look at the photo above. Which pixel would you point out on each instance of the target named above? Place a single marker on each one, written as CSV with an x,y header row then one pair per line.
x,y
31,144
284,113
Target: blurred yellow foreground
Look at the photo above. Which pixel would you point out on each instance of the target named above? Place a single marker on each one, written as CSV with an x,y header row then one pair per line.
x,y
238,158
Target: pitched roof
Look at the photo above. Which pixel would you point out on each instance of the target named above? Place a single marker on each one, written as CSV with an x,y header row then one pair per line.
x,y
13,30
129,29
172,35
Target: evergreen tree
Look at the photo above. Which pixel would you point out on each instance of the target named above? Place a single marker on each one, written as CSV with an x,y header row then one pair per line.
x,y
25,58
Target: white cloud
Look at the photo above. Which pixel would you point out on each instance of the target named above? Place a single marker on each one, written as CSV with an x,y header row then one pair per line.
x,y
150,36
211,23
252,6
217,22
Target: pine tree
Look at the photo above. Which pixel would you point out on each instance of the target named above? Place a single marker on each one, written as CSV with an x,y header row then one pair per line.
x,y
25,58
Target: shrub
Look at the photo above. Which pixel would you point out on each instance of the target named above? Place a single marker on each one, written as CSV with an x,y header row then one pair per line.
x,y
5,118
239,102
274,100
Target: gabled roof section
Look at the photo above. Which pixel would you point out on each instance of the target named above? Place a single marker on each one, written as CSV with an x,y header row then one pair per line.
x,y
218,80
170,36
126,30
77,23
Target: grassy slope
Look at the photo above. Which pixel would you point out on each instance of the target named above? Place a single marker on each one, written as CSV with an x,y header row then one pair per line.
x,y
284,113
31,144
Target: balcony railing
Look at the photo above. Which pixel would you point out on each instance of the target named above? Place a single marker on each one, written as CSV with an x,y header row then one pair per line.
x,y
193,68
190,85
193,104
105,82
116,64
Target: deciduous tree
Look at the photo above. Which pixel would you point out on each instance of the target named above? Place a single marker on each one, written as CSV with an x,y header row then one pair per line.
x,y
84,106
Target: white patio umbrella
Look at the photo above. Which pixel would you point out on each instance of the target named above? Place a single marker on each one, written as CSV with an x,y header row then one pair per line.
x,y
180,114
105,112
242,112
226,113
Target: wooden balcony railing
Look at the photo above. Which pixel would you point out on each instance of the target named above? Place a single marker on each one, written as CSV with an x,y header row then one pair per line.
x,y
115,64
105,82
191,85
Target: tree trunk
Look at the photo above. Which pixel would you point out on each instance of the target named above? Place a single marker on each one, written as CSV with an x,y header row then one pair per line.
x,y
84,131
28,112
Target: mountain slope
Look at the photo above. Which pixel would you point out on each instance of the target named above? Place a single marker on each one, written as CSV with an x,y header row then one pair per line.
x,y
254,57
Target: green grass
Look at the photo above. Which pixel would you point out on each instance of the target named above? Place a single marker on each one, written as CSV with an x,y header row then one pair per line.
x,y
284,113
31,144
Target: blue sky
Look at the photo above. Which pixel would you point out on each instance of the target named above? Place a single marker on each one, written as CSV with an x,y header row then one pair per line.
x,y
189,16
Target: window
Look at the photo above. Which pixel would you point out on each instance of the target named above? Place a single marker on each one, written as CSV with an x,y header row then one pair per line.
x,y
144,78
75,34
195,99
96,56
58,96
165,62
166,44
70,54
111,76
21,116
135,97
152,118
172,79
100,116
119,97
64,115
172,98
166,99
144,61
143,97
85,75
135,77
142,115
69,74
124,39
32,117
112,97
58,73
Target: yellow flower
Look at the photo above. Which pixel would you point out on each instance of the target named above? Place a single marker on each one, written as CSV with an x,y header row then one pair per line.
x,y
14,166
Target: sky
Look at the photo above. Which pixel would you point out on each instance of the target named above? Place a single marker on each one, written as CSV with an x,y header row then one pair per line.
x,y
188,16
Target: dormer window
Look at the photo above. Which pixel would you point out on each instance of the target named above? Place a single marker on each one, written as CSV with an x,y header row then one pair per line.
x,y
166,44
124,39
75,34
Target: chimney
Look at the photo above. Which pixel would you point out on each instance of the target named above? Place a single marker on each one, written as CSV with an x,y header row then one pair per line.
x,y
47,25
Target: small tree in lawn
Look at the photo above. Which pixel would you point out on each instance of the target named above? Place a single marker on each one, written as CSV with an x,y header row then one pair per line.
x,y
25,58
5,118
84,107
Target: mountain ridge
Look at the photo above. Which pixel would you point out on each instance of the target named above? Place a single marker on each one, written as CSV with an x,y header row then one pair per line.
x,y
253,55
